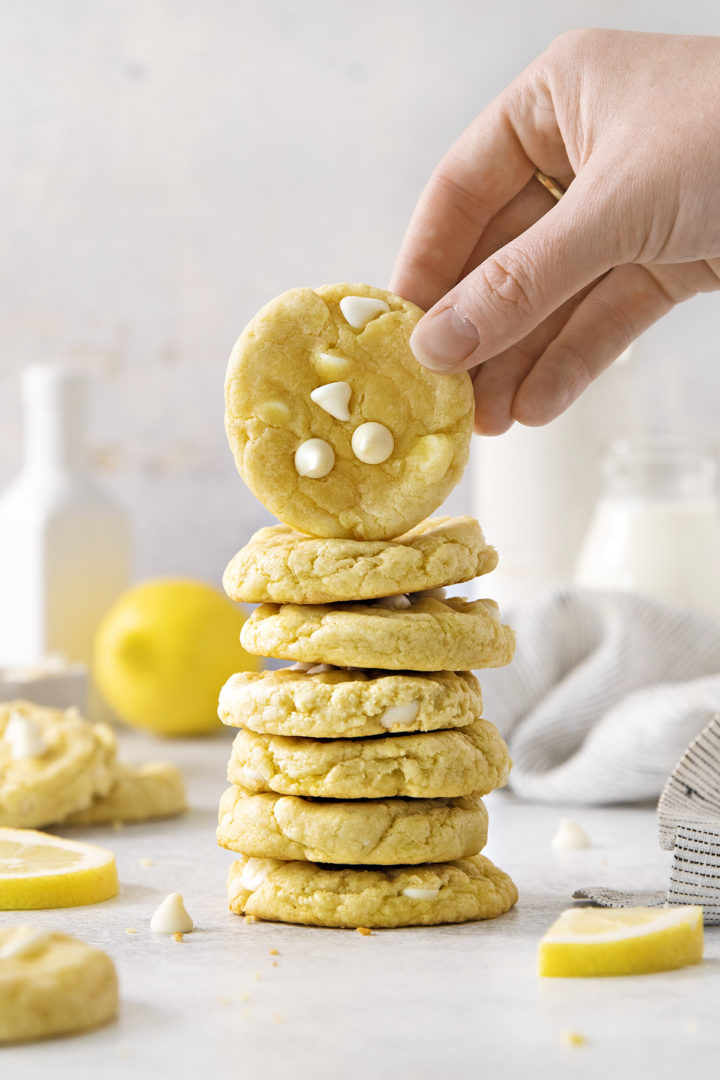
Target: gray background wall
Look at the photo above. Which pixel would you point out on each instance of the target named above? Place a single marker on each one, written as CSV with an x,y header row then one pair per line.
x,y
166,166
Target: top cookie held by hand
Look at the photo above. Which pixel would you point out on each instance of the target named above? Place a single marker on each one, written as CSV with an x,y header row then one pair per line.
x,y
333,424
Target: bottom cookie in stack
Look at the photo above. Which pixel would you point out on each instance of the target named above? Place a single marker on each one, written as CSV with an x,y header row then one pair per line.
x,y
378,830
382,897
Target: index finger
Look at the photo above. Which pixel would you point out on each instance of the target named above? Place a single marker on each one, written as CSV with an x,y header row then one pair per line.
x,y
487,166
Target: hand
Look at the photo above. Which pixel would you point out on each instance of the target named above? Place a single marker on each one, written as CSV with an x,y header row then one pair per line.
x,y
535,297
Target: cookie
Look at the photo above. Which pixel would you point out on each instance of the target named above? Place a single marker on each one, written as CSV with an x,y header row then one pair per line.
x,y
333,424
435,764
301,892
280,565
52,763
52,984
348,703
140,793
417,635
366,831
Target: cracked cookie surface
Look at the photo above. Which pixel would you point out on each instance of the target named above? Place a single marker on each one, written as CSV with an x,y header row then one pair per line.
x,y
349,703
76,762
438,764
451,634
52,984
281,565
301,342
140,793
361,832
301,892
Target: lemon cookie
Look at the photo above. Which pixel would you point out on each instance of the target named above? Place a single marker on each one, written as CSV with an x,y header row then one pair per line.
x,y
52,984
52,763
333,703
301,892
333,424
435,764
280,565
365,831
140,793
396,633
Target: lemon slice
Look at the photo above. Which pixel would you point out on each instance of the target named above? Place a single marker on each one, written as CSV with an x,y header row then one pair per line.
x,y
38,870
622,941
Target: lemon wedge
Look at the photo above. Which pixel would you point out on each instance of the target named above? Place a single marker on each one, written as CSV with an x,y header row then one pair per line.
x,y
38,870
622,941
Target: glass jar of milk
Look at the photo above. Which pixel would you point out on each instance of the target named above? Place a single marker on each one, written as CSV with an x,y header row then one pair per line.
x,y
656,528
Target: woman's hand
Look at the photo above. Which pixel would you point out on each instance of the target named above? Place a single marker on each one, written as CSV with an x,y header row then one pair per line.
x,y
535,297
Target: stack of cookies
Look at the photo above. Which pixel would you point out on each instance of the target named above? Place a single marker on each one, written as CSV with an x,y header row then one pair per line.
x,y
358,773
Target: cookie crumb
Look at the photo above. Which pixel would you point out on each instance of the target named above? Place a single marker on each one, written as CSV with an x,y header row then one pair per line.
x,y
257,976
573,1038
249,919
130,930
223,1001
178,936
245,997
274,952
146,862
274,963
363,930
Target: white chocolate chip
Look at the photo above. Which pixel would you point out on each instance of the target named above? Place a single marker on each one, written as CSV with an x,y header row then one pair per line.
x,y
319,669
333,398
393,603
301,665
400,715
314,458
274,413
430,594
569,837
255,871
420,894
372,443
24,737
25,940
171,917
431,456
330,367
251,775
227,693
359,310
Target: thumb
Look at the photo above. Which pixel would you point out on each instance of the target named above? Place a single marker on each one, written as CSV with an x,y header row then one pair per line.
x,y
508,295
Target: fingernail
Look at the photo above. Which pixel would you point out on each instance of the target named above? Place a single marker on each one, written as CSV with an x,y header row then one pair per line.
x,y
444,340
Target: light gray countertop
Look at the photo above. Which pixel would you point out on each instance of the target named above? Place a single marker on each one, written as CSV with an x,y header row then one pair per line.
x,y
456,1002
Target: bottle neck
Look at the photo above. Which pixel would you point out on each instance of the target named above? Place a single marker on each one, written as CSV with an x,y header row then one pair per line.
x,y
670,470
54,414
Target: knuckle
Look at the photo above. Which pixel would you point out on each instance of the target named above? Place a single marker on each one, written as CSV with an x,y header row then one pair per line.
x,y
575,41
507,280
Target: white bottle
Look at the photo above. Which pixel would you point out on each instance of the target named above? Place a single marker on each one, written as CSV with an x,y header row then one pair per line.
x,y
64,544
656,529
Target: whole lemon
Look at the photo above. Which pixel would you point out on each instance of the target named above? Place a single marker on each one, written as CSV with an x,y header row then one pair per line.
x,y
163,651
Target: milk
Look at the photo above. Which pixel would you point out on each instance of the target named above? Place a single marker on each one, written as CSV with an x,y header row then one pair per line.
x,y
664,549
656,530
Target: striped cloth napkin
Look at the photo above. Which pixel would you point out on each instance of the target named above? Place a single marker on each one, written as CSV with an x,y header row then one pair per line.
x,y
605,692
689,826
604,695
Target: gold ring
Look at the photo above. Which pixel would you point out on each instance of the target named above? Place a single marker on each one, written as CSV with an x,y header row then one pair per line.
x,y
550,185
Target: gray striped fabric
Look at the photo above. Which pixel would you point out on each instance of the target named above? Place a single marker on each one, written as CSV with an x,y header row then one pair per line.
x,y
689,826
605,692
